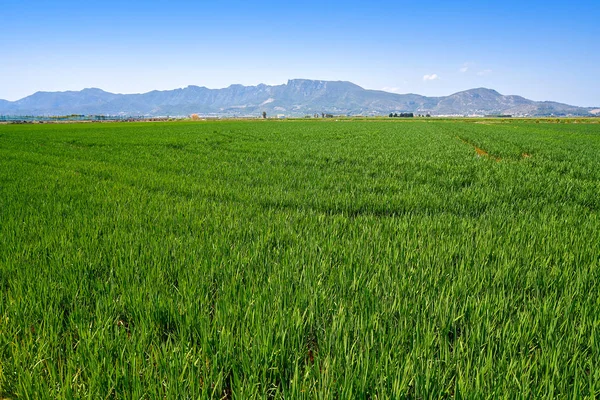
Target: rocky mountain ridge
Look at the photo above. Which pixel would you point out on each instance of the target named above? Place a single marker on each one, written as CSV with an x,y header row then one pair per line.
x,y
297,97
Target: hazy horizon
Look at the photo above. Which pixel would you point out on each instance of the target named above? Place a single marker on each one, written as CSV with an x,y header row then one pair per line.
x,y
543,51
283,83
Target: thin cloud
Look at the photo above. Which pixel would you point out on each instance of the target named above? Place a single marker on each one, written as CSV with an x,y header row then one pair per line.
x,y
484,72
431,77
465,67
391,89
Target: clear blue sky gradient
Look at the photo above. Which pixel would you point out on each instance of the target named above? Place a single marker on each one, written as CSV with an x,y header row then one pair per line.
x,y
543,50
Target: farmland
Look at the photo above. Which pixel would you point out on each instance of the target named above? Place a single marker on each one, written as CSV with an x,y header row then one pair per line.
x,y
300,259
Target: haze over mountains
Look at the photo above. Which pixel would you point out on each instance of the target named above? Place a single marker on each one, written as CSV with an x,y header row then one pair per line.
x,y
296,98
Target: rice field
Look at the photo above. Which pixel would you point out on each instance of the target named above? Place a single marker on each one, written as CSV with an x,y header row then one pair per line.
x,y
348,259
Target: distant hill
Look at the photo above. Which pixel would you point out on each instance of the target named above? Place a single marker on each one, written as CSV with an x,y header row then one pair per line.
x,y
296,98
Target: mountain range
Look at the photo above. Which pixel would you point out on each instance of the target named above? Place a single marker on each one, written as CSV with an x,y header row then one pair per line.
x,y
297,97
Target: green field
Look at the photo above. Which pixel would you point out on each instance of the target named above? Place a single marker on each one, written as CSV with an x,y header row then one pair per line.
x,y
300,259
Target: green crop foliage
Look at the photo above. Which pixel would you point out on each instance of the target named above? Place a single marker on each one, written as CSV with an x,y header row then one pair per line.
x,y
300,259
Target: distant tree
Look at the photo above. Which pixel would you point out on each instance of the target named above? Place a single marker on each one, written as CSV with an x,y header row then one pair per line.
x,y
395,115
195,117
391,115
428,115
264,115
322,115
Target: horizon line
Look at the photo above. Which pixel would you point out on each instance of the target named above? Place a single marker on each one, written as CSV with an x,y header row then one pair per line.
x,y
281,84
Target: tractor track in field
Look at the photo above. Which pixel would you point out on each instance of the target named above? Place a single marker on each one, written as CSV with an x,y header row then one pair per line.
x,y
480,152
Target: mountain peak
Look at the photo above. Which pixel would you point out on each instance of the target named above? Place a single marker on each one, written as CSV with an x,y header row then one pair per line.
x,y
313,82
301,81
305,83
481,91
93,90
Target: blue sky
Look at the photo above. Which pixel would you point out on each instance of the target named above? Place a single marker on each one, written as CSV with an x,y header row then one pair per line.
x,y
542,50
